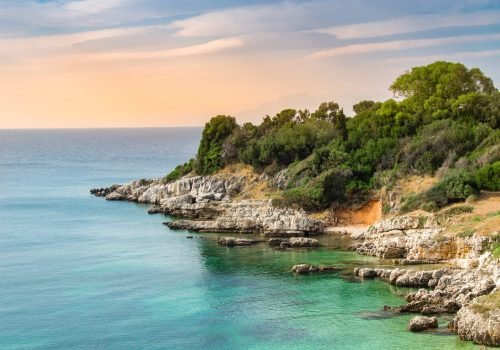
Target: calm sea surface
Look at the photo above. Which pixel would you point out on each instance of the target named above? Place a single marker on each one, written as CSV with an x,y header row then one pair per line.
x,y
78,272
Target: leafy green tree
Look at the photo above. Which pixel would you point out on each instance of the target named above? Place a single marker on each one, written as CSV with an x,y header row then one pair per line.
x,y
210,156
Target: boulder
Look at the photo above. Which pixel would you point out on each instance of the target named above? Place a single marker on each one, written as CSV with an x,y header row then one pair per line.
x,y
303,242
421,323
233,241
306,268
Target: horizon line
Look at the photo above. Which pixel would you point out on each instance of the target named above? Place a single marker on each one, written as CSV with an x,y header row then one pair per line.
x,y
104,128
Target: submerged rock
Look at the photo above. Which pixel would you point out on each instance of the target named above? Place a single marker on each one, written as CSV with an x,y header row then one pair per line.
x,y
293,242
306,268
421,323
232,241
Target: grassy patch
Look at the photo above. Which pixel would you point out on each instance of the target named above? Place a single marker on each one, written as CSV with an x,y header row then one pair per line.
x,y
466,233
457,210
493,214
476,218
421,221
487,303
496,250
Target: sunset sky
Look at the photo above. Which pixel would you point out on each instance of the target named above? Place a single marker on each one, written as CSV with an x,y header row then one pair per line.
x,y
141,63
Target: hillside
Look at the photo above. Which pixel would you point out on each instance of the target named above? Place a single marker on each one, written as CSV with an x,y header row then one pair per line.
x,y
442,128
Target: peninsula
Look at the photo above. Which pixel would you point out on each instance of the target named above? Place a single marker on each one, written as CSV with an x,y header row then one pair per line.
x,y
411,180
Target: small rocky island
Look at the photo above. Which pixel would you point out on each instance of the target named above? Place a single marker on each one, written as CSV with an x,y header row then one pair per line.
x,y
412,182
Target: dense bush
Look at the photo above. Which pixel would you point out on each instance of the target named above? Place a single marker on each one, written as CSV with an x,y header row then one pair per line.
x,y
210,156
180,171
488,177
454,187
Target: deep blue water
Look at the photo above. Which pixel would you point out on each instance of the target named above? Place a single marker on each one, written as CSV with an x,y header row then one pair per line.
x,y
82,273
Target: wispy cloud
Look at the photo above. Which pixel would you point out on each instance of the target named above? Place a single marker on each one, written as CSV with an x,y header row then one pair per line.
x,y
397,45
205,48
453,56
411,24
91,6
286,16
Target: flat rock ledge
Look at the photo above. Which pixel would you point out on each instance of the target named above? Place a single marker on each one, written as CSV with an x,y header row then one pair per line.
x,y
233,241
205,204
303,269
293,242
421,323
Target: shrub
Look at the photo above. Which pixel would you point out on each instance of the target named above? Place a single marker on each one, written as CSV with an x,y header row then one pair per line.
x,y
180,171
488,177
466,233
210,156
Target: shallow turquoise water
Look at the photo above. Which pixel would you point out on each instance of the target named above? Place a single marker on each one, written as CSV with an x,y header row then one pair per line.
x,y
82,273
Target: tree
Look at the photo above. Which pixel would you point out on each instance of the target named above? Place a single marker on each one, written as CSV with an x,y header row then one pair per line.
x,y
210,156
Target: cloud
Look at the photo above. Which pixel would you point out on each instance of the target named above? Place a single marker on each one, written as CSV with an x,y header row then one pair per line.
x,y
92,6
453,56
66,40
205,48
268,18
25,17
397,45
411,24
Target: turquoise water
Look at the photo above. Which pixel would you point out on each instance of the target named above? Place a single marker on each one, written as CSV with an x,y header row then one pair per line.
x,y
82,273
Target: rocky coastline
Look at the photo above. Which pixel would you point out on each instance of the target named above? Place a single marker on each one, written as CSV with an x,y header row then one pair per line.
x,y
209,204
204,204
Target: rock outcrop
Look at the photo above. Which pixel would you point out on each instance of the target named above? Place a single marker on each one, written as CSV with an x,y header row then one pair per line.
x,y
205,204
293,242
232,241
415,239
480,321
473,292
248,217
302,269
421,323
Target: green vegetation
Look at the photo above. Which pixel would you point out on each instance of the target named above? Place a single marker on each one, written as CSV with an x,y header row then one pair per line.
x,y
496,250
180,171
466,233
487,303
445,122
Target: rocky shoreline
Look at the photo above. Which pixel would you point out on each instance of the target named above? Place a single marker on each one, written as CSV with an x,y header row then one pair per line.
x,y
207,204
204,203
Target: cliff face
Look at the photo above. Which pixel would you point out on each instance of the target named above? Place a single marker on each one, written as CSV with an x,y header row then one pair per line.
x,y
206,204
417,239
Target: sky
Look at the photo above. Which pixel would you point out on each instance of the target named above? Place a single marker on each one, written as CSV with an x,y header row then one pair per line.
x,y
147,63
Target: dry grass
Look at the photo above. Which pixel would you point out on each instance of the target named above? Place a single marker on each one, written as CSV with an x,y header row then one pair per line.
x,y
484,220
414,184
487,303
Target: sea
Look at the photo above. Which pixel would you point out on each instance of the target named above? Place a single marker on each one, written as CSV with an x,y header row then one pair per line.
x,y
80,272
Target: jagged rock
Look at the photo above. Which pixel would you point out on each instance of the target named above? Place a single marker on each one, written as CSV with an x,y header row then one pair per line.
x,y
276,242
232,241
293,242
398,277
415,238
253,217
478,322
420,323
103,192
207,199
280,180
303,242
306,268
